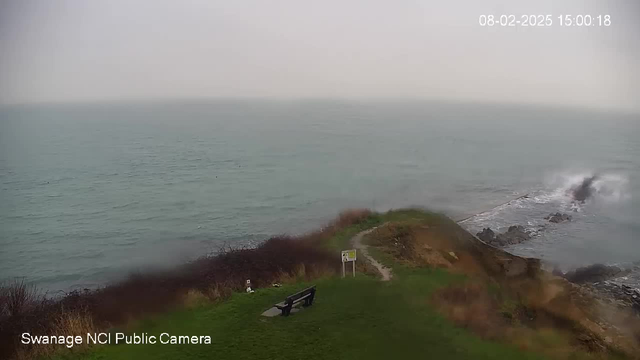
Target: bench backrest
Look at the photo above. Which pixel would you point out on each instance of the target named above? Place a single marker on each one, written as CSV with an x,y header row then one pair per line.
x,y
300,294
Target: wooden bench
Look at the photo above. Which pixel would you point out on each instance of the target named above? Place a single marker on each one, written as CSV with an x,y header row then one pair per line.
x,y
305,295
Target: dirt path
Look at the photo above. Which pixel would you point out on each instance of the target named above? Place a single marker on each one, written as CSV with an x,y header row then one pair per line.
x,y
356,241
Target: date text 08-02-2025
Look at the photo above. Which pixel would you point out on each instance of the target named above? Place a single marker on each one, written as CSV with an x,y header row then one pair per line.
x,y
511,20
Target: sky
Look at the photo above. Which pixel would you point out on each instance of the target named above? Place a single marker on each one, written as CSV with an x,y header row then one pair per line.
x,y
111,50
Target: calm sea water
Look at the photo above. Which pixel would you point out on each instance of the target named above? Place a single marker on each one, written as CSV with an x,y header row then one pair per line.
x,y
90,193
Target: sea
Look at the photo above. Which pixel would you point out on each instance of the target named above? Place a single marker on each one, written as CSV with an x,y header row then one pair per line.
x,y
90,193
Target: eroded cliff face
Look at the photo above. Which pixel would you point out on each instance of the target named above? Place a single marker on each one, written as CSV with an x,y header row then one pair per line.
x,y
592,323
431,243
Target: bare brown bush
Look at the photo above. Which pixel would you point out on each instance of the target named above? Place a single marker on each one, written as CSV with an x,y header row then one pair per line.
x,y
17,297
345,219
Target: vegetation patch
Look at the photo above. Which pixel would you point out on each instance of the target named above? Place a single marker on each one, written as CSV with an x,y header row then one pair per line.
x,y
351,318
213,278
451,297
504,298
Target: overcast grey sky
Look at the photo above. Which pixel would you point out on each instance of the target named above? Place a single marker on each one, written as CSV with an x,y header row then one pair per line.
x,y
92,50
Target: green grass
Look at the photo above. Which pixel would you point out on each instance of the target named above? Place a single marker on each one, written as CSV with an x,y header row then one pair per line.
x,y
352,318
411,215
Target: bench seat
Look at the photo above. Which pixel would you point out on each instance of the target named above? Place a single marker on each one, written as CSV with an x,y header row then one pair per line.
x,y
307,295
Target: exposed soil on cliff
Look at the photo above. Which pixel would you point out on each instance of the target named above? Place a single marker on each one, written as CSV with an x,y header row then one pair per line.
x,y
509,297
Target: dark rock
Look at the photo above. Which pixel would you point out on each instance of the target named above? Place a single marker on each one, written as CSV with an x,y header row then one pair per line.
x,y
594,273
623,295
514,235
585,190
558,217
487,235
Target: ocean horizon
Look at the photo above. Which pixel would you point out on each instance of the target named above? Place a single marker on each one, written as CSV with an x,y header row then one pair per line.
x,y
93,192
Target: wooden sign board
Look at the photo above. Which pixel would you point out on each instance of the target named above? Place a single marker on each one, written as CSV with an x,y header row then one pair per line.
x,y
349,255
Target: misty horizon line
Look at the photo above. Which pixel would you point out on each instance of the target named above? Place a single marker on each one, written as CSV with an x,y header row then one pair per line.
x,y
317,99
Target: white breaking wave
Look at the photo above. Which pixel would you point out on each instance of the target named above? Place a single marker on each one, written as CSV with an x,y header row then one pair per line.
x,y
556,195
606,187
612,187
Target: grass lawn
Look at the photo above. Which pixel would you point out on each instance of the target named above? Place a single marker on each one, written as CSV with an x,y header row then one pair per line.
x,y
351,318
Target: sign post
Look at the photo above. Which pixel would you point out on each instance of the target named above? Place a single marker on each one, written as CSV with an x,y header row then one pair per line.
x,y
349,255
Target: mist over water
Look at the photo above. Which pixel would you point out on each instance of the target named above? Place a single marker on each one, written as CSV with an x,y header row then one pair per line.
x,y
92,192
588,238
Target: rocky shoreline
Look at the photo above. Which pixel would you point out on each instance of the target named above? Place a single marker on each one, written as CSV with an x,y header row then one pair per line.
x,y
514,235
593,274
595,278
517,234
558,218
622,296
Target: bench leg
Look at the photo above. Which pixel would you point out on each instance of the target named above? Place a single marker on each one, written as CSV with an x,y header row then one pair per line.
x,y
309,301
287,310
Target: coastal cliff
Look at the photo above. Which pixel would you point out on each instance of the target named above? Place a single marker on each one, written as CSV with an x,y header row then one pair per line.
x,y
507,306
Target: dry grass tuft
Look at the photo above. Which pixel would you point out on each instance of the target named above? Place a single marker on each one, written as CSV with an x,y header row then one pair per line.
x,y
471,307
195,298
71,323
396,239
413,245
218,293
74,323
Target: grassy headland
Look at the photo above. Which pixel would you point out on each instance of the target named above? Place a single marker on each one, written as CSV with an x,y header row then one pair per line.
x,y
451,297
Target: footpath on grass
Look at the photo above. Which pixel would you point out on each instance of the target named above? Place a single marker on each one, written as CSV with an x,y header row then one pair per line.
x,y
356,241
